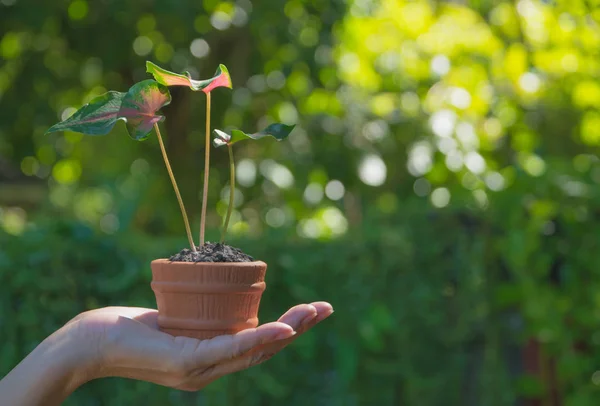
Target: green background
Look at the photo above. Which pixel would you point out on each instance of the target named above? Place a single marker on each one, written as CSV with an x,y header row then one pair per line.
x,y
461,254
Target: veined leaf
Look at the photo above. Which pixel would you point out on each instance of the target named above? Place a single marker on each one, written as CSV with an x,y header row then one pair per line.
x,y
277,130
140,105
167,78
97,117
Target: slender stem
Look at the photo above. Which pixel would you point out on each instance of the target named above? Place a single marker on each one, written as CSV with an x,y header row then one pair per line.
x,y
231,192
206,169
181,206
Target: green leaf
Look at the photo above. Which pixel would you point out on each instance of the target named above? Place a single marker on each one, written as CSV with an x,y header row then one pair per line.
x,y
277,130
167,78
97,117
140,105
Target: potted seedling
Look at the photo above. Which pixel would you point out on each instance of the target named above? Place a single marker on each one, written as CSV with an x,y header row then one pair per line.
x,y
206,290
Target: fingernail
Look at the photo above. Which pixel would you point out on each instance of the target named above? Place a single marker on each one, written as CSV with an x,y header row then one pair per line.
x,y
325,315
308,319
283,336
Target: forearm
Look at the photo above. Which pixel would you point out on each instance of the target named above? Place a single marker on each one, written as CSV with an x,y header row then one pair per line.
x,y
48,375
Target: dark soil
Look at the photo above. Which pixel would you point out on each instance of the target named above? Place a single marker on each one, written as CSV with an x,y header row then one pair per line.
x,y
212,252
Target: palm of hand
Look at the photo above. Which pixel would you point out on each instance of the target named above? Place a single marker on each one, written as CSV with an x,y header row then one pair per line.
x,y
129,344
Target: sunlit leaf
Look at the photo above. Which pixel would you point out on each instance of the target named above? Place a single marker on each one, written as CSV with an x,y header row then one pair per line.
x,y
277,130
97,117
167,78
140,105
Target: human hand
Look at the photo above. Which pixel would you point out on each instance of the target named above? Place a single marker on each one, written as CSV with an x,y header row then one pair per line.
x,y
126,342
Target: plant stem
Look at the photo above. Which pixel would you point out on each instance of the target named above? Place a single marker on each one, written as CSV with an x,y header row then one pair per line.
x,y
231,192
181,206
206,169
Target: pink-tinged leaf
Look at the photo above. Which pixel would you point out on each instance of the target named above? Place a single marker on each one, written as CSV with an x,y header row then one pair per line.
x,y
220,79
167,78
97,117
277,130
221,139
140,106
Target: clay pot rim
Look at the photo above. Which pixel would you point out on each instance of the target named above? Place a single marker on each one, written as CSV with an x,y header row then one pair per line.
x,y
212,264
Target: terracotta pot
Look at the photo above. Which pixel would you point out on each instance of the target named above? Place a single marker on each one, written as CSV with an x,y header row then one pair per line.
x,y
205,299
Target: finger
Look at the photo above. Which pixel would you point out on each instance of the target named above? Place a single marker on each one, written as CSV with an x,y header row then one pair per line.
x,y
266,351
148,317
238,364
324,310
143,315
298,315
301,317
227,347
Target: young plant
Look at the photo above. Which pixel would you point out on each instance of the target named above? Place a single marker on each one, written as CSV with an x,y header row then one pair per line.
x,y
220,79
138,108
277,131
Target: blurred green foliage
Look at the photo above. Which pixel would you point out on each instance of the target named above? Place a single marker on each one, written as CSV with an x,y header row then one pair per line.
x,y
440,188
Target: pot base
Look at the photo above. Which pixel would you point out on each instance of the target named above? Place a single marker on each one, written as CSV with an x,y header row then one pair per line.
x,y
197,334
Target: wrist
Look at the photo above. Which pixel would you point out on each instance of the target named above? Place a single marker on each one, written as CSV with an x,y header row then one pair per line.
x,y
62,363
55,368
74,353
